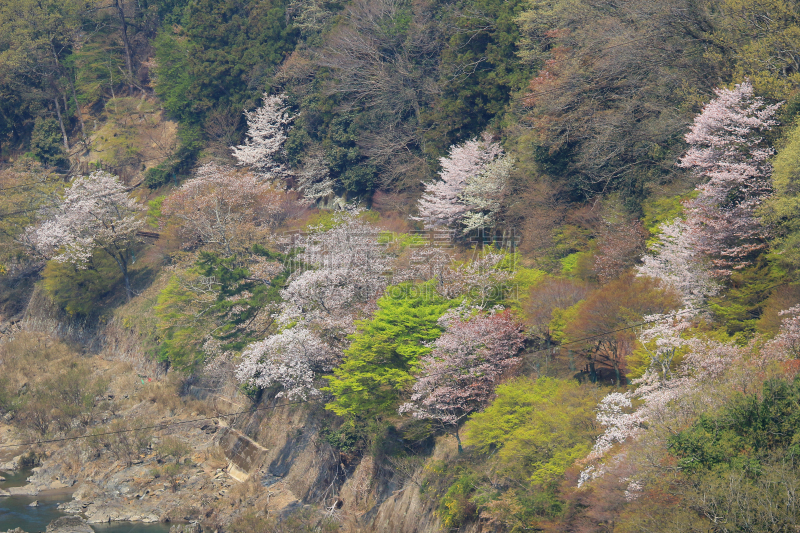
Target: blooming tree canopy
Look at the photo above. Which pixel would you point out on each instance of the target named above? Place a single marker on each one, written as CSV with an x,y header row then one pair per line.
x,y
95,213
343,270
459,376
484,192
444,202
341,273
289,359
727,149
266,135
676,262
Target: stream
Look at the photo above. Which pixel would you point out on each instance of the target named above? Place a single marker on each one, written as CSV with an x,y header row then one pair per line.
x,y
16,512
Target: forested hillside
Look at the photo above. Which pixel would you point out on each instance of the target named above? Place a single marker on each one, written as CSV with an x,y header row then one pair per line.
x,y
560,237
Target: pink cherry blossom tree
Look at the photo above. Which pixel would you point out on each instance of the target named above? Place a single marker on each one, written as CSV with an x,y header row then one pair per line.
x,y
267,128
96,213
443,203
727,150
459,376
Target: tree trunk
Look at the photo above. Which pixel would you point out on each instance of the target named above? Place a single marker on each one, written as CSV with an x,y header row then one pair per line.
x,y
458,439
78,109
123,267
74,94
124,30
61,123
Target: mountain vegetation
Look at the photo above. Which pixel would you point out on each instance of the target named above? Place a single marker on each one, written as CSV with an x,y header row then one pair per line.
x,y
562,234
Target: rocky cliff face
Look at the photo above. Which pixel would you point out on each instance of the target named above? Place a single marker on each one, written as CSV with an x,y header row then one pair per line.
x,y
281,449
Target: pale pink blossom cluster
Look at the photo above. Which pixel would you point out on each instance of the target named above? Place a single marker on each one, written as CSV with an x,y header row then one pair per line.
x,y
267,129
786,344
486,278
484,193
96,212
342,272
290,359
676,261
669,392
459,376
727,150
473,176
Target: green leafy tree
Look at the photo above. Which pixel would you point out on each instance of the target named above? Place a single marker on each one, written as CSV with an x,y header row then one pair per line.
x,y
533,432
227,301
377,367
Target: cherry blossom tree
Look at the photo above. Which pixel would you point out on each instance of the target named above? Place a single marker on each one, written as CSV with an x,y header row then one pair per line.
x,y
674,391
95,213
484,192
479,282
266,134
442,204
219,204
290,359
676,262
341,272
459,376
726,148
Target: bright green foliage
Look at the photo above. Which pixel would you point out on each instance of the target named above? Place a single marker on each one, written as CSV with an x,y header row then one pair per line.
x,y
385,351
658,211
561,318
782,210
455,506
538,428
79,291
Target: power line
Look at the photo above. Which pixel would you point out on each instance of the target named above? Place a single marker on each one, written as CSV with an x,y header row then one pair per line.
x,y
266,408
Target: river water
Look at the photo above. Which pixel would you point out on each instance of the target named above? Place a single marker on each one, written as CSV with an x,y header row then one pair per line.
x,y
15,511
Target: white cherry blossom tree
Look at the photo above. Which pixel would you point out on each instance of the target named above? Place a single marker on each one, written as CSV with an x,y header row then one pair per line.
x,y
267,129
443,203
675,261
96,213
290,359
341,273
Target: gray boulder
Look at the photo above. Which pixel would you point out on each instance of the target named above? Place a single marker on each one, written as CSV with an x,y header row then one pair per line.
x,y
69,524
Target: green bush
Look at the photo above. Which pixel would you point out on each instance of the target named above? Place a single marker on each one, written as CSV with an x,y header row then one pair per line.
x,y
80,291
47,142
456,507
